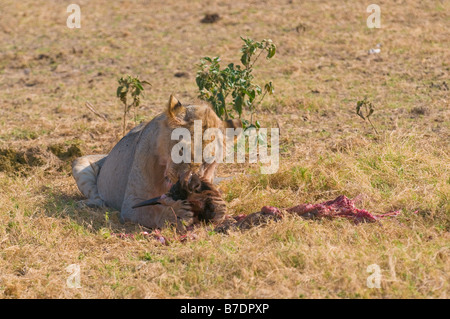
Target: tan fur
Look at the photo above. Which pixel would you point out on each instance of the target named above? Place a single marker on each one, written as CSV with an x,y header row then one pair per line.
x,y
140,167
86,169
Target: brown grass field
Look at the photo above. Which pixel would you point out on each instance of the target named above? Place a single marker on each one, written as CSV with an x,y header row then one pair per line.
x,y
322,68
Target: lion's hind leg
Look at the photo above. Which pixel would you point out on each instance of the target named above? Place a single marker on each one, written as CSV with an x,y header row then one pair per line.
x,y
85,171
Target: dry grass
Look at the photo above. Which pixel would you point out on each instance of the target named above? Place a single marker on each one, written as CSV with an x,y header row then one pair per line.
x,y
48,72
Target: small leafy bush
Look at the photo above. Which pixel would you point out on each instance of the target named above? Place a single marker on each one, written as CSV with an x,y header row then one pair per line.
x,y
231,90
130,86
368,108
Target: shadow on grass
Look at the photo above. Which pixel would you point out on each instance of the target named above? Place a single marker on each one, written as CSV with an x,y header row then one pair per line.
x,y
83,219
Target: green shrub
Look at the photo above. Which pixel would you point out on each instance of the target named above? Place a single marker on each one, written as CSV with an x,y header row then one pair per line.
x,y
231,90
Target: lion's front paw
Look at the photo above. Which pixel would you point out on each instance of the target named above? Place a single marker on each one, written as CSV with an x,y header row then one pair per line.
x,y
181,212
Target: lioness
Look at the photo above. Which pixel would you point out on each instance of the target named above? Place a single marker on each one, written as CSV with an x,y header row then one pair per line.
x,y
140,167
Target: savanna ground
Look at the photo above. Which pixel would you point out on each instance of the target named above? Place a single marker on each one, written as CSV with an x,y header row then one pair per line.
x,y
322,68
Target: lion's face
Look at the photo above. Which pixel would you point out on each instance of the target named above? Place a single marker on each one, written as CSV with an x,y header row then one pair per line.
x,y
192,121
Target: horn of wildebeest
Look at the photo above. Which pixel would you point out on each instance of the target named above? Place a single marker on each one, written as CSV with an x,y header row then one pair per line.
x,y
153,201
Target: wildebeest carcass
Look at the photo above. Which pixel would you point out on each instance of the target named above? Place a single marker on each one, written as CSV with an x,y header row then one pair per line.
x,y
204,198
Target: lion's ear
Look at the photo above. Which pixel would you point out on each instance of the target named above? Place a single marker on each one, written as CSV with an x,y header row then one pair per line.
x,y
235,123
174,107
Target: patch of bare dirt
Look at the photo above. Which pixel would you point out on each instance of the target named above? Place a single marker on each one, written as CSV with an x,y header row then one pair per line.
x,y
21,161
210,18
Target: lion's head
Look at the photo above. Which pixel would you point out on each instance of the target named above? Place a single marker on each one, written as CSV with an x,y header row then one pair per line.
x,y
187,125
